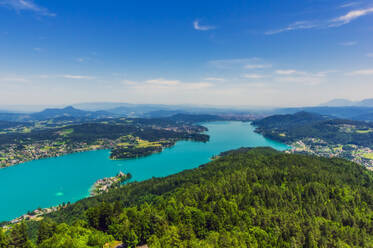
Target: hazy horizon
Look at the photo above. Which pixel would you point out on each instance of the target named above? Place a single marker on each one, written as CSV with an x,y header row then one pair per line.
x,y
218,53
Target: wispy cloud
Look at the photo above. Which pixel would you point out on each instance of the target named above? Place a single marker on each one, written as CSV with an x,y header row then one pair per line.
x,y
257,66
370,55
365,72
305,80
348,43
68,76
26,5
347,5
228,63
331,23
253,76
294,26
286,72
350,16
161,81
198,26
128,82
15,79
214,79
166,84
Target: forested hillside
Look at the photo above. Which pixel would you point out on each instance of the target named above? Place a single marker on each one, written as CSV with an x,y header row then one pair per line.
x,y
289,128
246,198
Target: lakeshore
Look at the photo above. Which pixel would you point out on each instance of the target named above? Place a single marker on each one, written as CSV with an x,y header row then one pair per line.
x,y
42,183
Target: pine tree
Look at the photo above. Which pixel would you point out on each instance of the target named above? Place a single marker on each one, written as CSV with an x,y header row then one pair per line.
x,y
4,242
46,229
19,237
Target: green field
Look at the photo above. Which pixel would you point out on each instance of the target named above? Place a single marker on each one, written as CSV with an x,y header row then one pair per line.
x,y
368,155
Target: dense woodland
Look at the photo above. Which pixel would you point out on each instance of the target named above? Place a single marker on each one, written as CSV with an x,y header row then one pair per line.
x,y
246,198
289,128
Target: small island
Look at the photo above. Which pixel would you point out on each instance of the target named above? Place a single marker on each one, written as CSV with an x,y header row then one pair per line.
x,y
107,183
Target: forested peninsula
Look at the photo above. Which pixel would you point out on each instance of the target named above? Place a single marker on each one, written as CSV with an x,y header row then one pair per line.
x,y
321,135
125,137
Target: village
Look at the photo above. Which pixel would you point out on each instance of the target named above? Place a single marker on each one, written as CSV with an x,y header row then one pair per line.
x,y
319,147
13,154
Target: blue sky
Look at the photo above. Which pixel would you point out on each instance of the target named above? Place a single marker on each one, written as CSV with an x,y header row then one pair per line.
x,y
246,53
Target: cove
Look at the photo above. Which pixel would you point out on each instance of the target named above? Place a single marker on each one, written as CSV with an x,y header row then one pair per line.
x,y
52,181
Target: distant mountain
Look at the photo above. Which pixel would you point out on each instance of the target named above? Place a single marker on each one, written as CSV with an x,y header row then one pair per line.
x,y
347,112
345,102
338,103
29,108
163,113
69,111
289,120
366,103
121,107
194,118
154,110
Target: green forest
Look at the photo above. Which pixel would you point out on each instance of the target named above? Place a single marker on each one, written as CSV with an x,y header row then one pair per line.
x,y
246,198
289,128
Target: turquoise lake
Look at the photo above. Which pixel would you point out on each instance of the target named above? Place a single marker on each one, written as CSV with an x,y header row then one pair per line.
x,y
50,182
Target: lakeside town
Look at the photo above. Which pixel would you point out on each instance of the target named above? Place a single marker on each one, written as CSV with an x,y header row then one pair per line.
x,y
13,154
314,146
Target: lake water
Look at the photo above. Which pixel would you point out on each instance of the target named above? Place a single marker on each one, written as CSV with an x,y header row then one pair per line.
x,y
50,182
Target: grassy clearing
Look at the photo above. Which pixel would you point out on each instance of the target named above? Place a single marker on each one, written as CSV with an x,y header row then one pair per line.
x,y
368,155
123,144
112,244
66,132
144,143
364,131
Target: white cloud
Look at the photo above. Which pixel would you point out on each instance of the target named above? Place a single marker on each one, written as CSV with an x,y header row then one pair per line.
x,y
14,79
365,72
68,76
44,76
304,80
200,27
256,66
166,85
286,72
335,22
214,79
370,55
161,81
253,76
37,49
128,82
228,63
323,73
347,5
197,86
26,5
294,26
350,16
80,60
348,43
